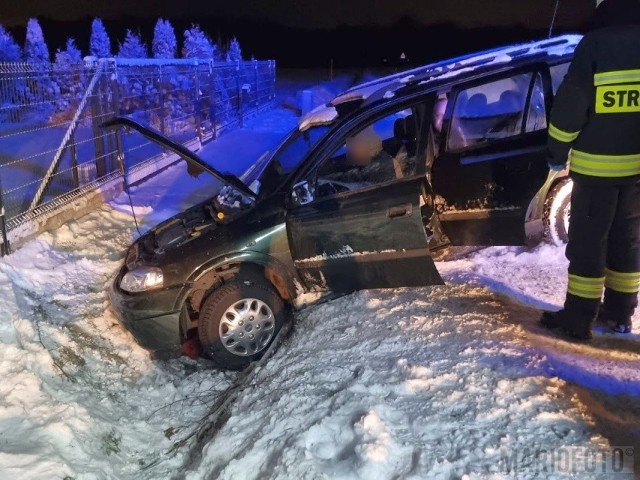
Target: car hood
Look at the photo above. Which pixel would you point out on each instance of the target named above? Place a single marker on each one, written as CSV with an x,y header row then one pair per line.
x,y
196,164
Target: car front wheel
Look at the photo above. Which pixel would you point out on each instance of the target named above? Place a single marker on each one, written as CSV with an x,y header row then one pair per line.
x,y
239,321
558,213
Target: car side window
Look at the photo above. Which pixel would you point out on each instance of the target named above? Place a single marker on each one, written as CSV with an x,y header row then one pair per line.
x,y
558,72
488,112
380,152
537,114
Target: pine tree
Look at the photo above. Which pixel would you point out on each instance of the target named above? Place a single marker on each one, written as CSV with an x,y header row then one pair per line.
x,y
35,48
234,53
71,55
132,47
9,49
68,75
99,44
164,43
197,44
40,89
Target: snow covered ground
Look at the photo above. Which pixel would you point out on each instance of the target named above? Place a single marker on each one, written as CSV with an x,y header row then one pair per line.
x,y
444,382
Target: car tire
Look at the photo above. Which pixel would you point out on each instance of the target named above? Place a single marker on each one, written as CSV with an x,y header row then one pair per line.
x,y
239,321
558,213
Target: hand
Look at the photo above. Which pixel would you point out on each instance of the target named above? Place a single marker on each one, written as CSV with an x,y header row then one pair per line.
x,y
556,168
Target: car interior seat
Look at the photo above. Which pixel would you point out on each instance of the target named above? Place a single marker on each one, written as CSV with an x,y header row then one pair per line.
x,y
473,125
476,106
405,133
509,112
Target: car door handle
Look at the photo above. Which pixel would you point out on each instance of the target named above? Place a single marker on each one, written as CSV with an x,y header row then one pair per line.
x,y
400,211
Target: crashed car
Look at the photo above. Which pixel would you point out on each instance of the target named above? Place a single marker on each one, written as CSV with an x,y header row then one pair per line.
x,y
359,196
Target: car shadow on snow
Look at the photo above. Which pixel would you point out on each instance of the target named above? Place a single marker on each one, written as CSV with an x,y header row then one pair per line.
x,y
603,374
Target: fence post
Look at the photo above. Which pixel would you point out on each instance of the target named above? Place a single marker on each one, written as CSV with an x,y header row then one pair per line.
x,y
114,109
255,66
163,110
74,160
196,105
6,247
98,137
120,148
212,103
239,88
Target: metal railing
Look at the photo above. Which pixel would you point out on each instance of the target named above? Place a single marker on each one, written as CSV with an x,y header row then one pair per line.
x,y
52,147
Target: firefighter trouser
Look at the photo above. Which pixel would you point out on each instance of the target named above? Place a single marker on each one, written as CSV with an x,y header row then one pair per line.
x,y
603,251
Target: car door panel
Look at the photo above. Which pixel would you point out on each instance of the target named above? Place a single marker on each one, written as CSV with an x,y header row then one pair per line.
x,y
483,192
373,238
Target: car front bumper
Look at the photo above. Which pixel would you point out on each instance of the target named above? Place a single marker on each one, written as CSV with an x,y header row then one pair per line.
x,y
150,316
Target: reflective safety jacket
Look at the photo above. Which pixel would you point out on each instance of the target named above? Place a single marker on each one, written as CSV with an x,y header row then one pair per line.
x,y
595,121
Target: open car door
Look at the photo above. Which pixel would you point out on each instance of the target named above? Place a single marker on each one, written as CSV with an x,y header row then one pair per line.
x,y
348,235
491,160
369,239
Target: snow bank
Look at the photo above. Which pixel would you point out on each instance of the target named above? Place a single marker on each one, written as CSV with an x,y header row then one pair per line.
x,y
80,399
411,383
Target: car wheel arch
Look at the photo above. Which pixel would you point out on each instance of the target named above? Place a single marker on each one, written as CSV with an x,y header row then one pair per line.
x,y
219,271
536,209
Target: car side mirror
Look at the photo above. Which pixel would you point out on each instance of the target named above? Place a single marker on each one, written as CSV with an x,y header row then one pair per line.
x,y
302,194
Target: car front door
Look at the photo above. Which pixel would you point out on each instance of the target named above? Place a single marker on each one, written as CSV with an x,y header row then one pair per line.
x,y
356,221
491,160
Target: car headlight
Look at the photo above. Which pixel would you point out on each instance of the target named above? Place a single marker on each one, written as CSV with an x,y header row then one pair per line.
x,y
142,279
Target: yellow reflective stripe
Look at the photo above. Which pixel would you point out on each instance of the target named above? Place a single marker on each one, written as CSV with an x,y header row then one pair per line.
x,y
623,282
605,165
561,135
615,77
585,287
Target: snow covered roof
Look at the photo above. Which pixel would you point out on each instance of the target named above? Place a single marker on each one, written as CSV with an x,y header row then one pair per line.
x,y
386,87
557,46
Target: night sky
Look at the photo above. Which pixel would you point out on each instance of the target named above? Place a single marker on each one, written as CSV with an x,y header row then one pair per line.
x,y
304,33
311,14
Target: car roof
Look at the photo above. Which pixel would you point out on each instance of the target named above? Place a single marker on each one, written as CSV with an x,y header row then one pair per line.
x,y
441,73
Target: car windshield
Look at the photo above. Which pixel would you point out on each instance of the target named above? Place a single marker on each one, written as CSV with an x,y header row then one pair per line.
x,y
296,147
270,168
208,174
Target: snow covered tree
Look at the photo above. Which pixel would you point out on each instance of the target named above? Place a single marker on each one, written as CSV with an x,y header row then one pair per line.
x,y
164,43
69,75
9,49
132,47
234,53
99,44
197,44
11,96
71,55
40,89
35,48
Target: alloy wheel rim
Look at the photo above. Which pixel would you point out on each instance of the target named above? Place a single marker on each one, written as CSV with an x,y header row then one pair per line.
x,y
247,327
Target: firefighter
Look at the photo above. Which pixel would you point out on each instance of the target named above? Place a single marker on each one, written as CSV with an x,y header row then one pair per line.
x,y
595,125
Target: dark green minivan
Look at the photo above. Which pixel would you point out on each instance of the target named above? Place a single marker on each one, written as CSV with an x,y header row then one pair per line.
x,y
359,196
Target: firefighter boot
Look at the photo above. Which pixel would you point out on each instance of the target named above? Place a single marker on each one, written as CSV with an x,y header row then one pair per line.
x,y
575,320
617,310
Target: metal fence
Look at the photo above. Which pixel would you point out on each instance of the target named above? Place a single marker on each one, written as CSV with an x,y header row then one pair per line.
x,y
52,147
